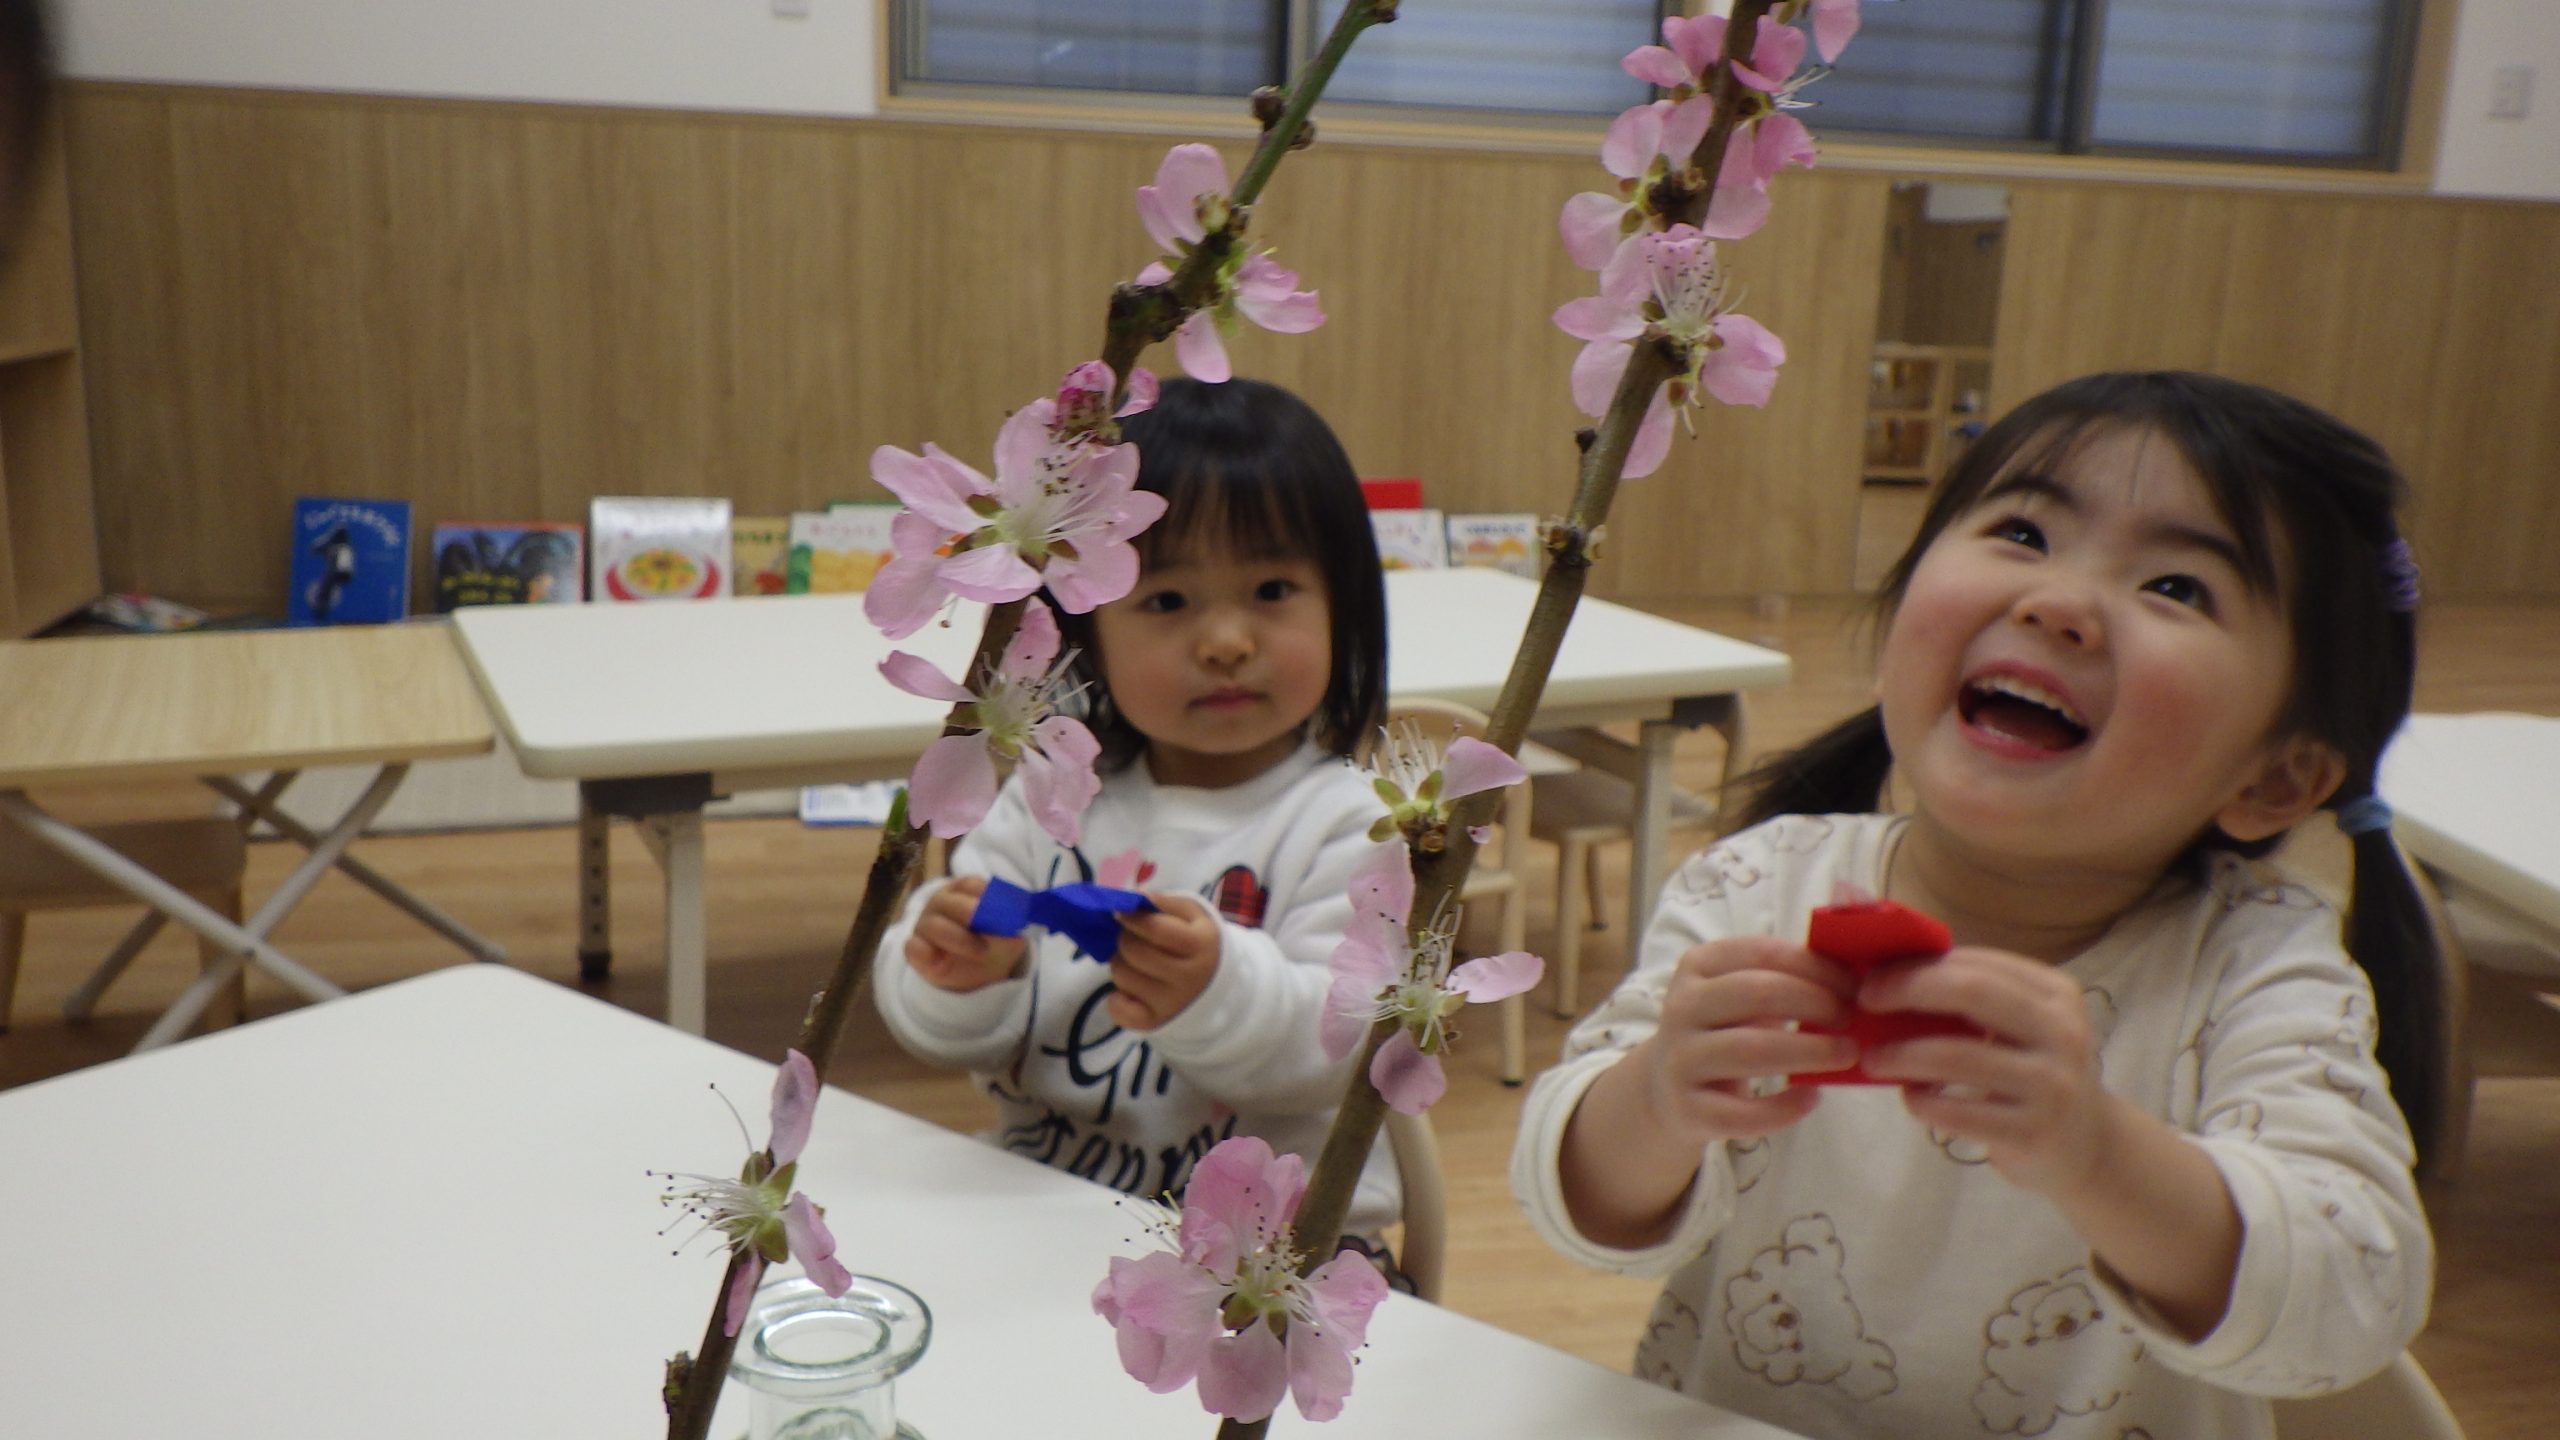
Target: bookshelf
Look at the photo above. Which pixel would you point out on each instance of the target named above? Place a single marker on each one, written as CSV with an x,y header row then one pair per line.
x,y
48,525
1922,403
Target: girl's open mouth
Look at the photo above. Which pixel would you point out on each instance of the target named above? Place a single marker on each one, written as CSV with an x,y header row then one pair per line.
x,y
2021,711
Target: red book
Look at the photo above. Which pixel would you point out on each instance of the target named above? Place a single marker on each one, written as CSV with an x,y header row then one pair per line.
x,y
1403,493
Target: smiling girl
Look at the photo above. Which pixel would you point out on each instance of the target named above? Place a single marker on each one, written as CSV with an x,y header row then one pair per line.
x,y
2149,622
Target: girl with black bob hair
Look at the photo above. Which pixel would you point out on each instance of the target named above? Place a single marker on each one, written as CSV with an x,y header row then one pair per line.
x,y
2117,1144
1224,691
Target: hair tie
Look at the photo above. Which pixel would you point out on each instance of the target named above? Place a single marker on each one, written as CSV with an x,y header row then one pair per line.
x,y
2400,572
2364,815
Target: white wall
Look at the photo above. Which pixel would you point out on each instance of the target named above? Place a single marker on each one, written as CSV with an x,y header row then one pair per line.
x,y
2518,159
680,54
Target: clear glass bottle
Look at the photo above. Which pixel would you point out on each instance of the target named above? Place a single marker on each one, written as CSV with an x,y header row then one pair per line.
x,y
826,1368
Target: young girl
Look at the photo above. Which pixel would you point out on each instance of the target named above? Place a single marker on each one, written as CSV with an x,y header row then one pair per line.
x,y
1227,690
2148,623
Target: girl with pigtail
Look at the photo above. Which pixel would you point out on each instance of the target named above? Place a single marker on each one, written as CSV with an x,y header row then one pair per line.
x,y
2154,1168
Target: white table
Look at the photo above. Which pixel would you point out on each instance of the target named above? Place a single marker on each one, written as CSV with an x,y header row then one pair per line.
x,y
321,1225
2477,799
657,708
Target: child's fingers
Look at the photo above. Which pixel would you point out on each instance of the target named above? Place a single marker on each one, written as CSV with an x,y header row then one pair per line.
x,y
1129,1012
1743,954
1983,1068
1724,1110
1742,997
2022,1001
946,934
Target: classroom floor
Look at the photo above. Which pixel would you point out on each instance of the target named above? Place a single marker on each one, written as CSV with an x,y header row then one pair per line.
x,y
781,897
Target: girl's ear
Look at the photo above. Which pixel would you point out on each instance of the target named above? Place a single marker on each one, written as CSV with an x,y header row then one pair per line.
x,y
2296,776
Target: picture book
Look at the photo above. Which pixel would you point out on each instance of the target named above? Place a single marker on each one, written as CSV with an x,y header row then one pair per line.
x,y
1411,539
838,550
1501,542
758,548
863,804
658,548
526,562
350,562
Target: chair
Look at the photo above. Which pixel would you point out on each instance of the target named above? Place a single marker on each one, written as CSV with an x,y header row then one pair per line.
x,y
1579,811
1423,1251
205,857
2401,1403
1440,721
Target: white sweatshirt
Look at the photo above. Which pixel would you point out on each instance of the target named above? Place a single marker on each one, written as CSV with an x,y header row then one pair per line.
x,y
1858,1275
1133,1111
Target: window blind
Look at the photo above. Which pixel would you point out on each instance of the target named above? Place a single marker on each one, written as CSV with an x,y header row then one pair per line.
x,y
1181,47
2300,77
1536,55
1980,68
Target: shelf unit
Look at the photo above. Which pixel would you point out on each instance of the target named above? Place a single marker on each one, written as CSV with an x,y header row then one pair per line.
x,y
1919,398
48,522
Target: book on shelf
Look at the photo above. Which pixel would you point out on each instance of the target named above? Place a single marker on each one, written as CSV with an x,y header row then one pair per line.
x,y
863,804
839,549
518,562
759,545
350,562
649,547
1411,539
1500,542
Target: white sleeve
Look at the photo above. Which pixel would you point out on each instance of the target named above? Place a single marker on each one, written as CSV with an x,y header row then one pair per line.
x,y
1252,1038
2336,1263
978,1030
1688,915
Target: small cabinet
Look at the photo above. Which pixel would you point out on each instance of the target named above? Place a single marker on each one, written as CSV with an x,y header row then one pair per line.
x,y
48,523
1924,402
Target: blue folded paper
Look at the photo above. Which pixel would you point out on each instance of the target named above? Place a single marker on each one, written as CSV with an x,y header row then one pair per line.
x,y
1085,913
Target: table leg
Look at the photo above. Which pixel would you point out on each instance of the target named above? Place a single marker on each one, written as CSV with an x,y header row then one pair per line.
x,y
256,807
84,1001
595,889
680,854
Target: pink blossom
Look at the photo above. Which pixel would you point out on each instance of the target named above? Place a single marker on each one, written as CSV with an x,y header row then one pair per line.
x,y
1205,1308
1692,45
955,779
1834,21
1084,394
1667,284
1060,512
1380,972
759,1217
1419,781
1642,147
1186,202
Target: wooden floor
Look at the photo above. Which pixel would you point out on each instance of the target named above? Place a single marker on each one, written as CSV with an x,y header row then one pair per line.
x,y
781,896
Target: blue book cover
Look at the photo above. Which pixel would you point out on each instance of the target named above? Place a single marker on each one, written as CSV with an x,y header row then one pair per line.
x,y
350,562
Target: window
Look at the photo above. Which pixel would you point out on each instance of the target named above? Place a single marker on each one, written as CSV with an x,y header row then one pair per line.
x,y
1540,56
2283,80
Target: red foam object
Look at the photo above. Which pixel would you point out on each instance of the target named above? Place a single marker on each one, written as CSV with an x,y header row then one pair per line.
x,y
1863,936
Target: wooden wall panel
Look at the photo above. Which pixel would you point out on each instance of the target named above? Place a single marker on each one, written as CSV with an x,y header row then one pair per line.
x,y
498,312
2427,323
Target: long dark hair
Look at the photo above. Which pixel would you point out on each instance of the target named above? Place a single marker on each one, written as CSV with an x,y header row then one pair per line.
x,y
2274,467
1250,466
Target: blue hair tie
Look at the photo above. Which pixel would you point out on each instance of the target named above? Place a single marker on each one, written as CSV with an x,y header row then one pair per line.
x,y
2364,816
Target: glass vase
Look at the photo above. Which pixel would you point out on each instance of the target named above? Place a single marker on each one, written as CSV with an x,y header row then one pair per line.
x,y
822,1367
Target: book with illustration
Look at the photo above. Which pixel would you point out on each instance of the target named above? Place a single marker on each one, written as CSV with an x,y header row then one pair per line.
x,y
1411,539
350,562
520,562
759,551
1501,542
659,547
838,550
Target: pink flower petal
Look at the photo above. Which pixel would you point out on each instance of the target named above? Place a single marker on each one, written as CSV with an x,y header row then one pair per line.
x,y
1202,353
1686,128
1655,65
1244,1375
1594,317
1776,51
1470,766
1408,1080
1319,1372
1780,140
1590,224
1267,294
953,786
1696,40
1834,22
813,1246
1155,273
903,595
1103,571
1737,211
1634,138
1186,173
741,1292
795,1103
1344,1292
1240,1195
1034,645
1141,395
938,491
1381,886
1653,440
919,676
1596,372
1744,371
1027,438
1361,967
1497,977
1057,776
992,573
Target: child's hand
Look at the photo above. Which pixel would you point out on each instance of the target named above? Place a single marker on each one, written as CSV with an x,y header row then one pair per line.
x,y
2026,1089
1166,959
950,955
1724,1024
